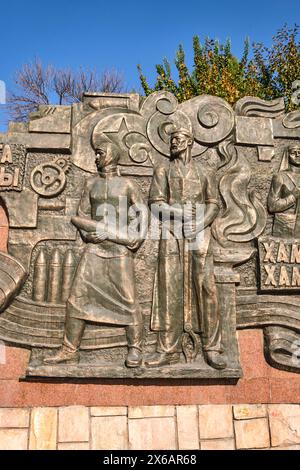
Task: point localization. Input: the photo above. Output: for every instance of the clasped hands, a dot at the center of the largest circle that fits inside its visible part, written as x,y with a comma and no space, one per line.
97,236
296,193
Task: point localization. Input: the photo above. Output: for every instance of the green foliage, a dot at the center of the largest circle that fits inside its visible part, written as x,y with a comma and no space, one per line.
279,66
263,72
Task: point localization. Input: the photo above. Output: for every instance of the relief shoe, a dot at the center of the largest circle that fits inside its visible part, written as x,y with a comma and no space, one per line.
134,358
162,359
215,360
64,355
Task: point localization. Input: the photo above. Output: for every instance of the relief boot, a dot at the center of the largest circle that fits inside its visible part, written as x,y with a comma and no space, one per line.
215,360
66,355
162,359
134,358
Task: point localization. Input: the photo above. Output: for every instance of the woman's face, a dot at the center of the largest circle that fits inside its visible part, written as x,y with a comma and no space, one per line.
294,155
105,156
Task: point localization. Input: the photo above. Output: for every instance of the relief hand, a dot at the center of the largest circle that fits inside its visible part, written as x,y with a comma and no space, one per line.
296,193
192,227
95,237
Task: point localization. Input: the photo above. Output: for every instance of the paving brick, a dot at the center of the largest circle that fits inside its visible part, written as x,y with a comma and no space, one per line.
187,427
13,439
43,429
109,433
252,433
73,446
218,444
249,411
152,433
284,424
14,417
296,447
109,411
215,421
74,424
151,411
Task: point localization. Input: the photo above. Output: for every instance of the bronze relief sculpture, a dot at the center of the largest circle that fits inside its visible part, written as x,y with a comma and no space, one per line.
284,195
103,290
185,265
146,264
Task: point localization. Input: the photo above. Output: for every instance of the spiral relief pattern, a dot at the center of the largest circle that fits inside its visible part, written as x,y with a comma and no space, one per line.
212,118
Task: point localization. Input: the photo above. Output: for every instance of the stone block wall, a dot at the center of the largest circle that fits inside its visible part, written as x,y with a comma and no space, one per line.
187,427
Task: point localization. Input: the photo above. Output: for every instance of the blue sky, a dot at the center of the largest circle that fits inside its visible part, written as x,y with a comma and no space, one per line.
116,34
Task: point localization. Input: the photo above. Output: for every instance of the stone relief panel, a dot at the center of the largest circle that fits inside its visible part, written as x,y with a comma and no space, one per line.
93,301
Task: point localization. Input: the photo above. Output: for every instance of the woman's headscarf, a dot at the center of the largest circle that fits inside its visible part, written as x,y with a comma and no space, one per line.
285,164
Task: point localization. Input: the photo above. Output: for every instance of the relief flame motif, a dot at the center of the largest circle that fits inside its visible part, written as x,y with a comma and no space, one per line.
244,217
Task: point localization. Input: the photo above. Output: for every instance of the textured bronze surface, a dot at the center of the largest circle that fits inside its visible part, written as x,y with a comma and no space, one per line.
95,300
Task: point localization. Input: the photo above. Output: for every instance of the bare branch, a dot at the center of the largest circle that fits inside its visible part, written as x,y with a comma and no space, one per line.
63,84
36,85
33,85
112,82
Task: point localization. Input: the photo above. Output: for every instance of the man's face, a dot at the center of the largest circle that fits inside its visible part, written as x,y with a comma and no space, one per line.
294,156
104,156
179,143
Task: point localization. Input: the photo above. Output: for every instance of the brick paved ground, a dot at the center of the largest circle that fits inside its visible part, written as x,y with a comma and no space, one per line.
205,427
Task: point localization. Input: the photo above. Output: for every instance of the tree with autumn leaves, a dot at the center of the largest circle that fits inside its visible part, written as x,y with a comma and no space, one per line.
265,72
